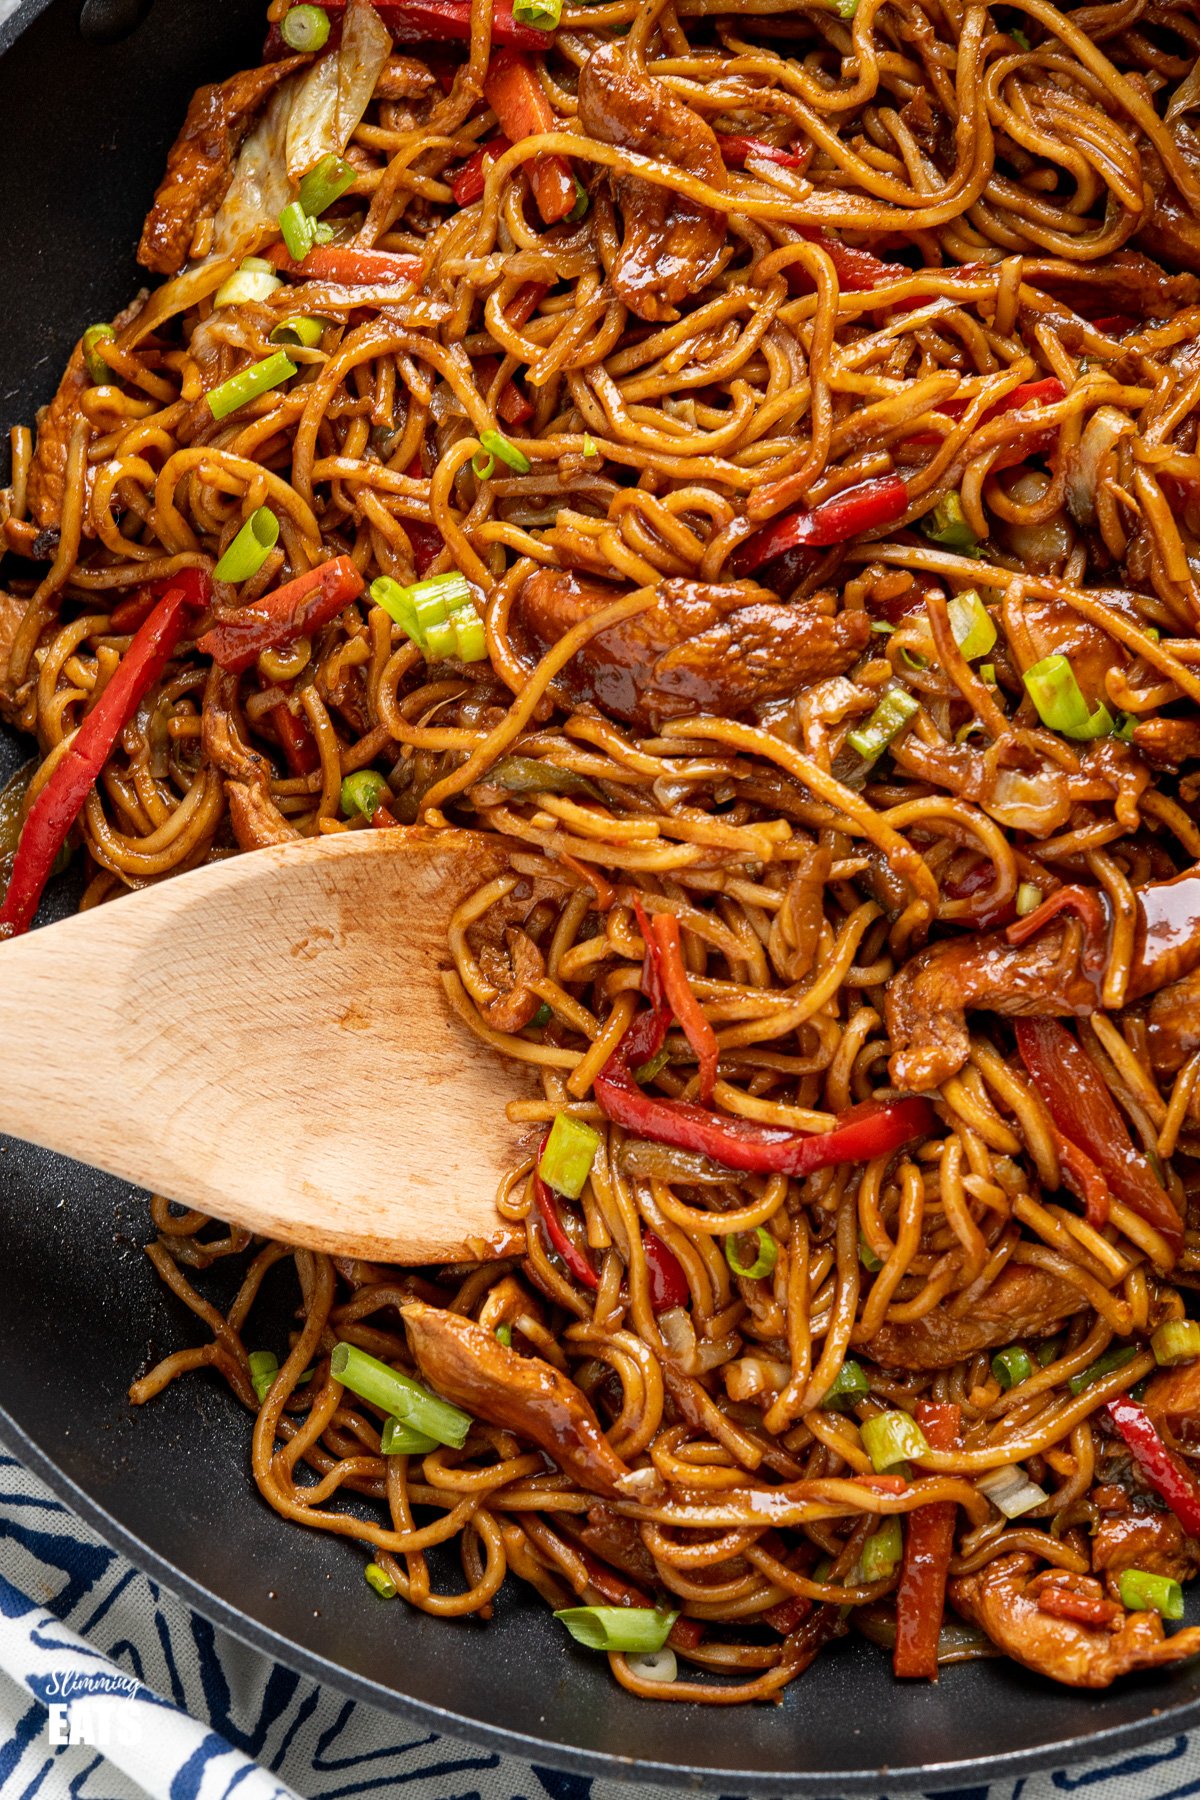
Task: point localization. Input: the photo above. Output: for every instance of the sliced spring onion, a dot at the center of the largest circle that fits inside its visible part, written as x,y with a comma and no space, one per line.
399,1395
645,1072
305,28
494,447
893,1437
325,182
1047,1352
264,1367
1011,1366
250,548
971,623
543,14
882,1551
1052,687
987,674
1141,1591
764,1262
437,614
298,231
1029,898
566,1162
1125,727
363,793
582,202
640,1630
97,368
542,1016
1112,1359
504,1335
1011,1490
947,525
1177,1341
881,628
399,1439
249,383
306,332
884,725
850,1383
658,1665
845,9
589,446
1018,37
867,1256
378,1578
247,284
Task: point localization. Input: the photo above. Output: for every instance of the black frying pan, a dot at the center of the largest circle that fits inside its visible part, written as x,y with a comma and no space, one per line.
88,105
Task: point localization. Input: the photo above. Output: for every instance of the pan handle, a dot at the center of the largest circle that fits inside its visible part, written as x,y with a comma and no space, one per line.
109,21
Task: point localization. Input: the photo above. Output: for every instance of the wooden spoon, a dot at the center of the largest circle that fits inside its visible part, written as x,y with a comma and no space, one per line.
269,1039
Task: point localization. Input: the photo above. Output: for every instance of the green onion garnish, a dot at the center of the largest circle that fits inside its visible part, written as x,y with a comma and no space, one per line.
1011,1490
589,446
1047,1352
1126,725
1112,1359
250,548
504,1335
377,1578
249,383
363,793
645,1072
1052,687
398,1439
325,182
850,1383
305,28
297,230
947,525
399,1395
566,1162
1011,1366
987,674
542,1016
437,614
97,368
1018,37
867,1256
1029,898
542,14
264,1367
971,623
581,194
845,9
1141,1591
633,1629
494,447
893,1437
764,1262
885,723
881,1552
255,280
1177,1341
307,332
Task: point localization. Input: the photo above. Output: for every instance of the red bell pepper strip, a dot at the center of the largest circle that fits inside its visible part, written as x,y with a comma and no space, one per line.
295,610
683,1003
1081,1175
547,1204
686,1634
347,266
785,1615
928,1544
296,740
857,509
1171,1479
668,1283
58,805
1082,1609
882,1484
511,404
467,186
525,302
1084,1111
1083,901
129,614
423,22
858,271
737,151
515,95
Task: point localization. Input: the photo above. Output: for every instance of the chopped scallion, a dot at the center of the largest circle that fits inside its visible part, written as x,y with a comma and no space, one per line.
764,1262
494,447
379,1579
438,615
1011,1366
845,9
893,1437
971,623
645,1072
655,1665
639,1630
542,14
264,1367
566,1162
1052,687
298,231
504,1335
305,28
247,284
363,793
882,1551
1142,1591
589,447
1177,1341
97,368
1011,1490
249,383
325,182
542,1016
884,725
850,1383
399,1395
1029,898
306,332
250,548
1018,37
399,1439
867,1256
947,525
582,202
1105,1365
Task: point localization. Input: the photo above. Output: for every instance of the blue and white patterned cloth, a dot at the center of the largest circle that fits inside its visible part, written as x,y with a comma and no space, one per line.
172,1708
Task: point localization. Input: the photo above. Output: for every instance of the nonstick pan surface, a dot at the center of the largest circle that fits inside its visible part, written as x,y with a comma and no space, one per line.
85,127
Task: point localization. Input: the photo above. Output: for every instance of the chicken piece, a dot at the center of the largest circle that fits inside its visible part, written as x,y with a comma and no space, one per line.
12,611
405,78
1039,628
472,1368
1169,227
1126,282
1168,742
618,1542
510,970
1151,1540
670,245
200,162
1022,1303
1172,1398
1002,1599
1173,1018
699,648
255,818
927,1000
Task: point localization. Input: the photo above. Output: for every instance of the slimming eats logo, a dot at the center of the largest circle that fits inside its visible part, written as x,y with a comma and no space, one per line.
80,1713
